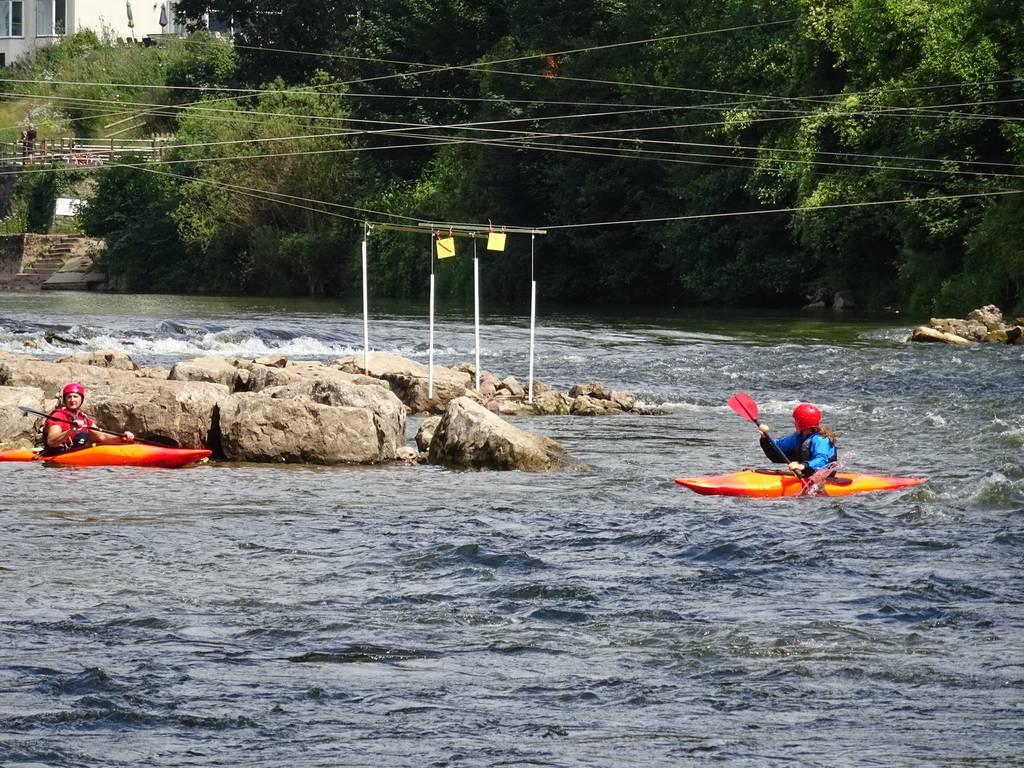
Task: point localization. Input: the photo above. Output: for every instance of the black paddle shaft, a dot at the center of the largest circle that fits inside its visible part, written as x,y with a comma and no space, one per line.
162,442
51,417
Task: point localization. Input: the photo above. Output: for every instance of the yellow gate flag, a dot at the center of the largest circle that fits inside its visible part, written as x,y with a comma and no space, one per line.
495,241
445,247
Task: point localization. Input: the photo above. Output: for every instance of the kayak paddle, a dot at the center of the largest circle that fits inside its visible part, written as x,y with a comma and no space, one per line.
745,406
157,440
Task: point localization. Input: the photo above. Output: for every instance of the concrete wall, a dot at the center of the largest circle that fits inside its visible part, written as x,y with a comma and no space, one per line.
11,249
20,251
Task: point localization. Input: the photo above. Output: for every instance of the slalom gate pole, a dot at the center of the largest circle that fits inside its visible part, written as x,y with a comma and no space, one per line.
366,316
476,311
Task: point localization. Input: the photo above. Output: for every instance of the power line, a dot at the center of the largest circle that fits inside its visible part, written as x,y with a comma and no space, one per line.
794,209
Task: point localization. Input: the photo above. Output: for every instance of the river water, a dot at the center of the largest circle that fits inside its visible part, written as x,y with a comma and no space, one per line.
412,616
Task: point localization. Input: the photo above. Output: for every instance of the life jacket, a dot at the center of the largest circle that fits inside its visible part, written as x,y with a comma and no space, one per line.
804,451
76,439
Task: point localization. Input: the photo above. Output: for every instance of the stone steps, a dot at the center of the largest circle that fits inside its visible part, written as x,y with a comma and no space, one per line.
39,271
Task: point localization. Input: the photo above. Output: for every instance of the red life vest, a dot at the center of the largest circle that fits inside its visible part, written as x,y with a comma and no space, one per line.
78,437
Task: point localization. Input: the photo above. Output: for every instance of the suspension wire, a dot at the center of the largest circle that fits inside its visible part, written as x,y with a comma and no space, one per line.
497,142
284,199
590,135
792,209
814,99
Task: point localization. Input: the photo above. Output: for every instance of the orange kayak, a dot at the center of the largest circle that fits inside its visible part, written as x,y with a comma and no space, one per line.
772,482
126,455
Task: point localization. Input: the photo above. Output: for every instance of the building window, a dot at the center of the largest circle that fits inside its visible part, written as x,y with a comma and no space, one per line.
51,17
11,18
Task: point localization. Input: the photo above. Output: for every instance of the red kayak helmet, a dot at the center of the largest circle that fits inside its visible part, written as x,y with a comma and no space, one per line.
806,416
74,388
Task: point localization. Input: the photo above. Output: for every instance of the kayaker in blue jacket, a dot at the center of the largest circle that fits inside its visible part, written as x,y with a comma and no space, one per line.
810,448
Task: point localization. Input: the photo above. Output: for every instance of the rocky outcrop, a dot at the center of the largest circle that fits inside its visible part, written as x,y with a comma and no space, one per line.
409,379
275,410
471,437
984,324
323,415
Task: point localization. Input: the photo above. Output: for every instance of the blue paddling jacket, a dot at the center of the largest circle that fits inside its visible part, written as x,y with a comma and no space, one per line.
813,450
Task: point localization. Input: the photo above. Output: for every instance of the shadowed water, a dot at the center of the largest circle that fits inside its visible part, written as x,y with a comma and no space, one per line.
411,616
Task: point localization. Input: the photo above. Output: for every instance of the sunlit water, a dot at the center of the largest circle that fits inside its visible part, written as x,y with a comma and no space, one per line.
412,616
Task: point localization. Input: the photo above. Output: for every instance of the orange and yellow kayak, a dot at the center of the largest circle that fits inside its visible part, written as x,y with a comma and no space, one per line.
126,455
771,482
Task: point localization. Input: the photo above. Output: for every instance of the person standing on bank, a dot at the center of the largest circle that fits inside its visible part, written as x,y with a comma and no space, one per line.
30,143
810,448
68,427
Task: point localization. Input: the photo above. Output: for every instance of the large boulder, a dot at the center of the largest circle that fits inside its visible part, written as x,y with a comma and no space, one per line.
594,389
264,376
409,380
844,300
257,427
19,371
551,403
426,432
103,358
332,388
972,330
586,405
229,371
185,411
471,437
990,316
18,430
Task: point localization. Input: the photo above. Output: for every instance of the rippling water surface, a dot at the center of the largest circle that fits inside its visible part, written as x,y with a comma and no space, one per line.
411,616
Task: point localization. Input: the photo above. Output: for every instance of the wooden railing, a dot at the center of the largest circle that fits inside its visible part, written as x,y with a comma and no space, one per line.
79,152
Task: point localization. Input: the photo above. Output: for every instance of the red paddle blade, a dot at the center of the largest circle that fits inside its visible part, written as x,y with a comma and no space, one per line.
744,405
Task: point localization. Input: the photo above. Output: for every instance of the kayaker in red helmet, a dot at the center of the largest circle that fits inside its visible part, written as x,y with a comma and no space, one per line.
810,448
67,427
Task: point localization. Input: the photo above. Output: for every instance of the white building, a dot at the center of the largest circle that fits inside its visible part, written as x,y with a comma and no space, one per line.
26,25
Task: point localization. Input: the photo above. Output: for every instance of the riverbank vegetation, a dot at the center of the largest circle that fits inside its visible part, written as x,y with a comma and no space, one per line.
742,154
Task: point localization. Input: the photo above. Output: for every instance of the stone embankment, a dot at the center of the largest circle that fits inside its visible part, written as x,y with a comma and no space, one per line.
275,410
985,324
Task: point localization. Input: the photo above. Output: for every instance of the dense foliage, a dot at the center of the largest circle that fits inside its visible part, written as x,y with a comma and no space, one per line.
747,153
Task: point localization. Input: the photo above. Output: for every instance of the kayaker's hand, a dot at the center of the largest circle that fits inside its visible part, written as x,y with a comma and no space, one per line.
764,429
129,437
796,466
